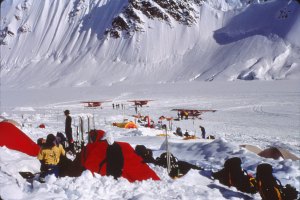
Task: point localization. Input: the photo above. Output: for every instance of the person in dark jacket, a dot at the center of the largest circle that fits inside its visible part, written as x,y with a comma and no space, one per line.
203,132
179,132
68,130
114,157
115,160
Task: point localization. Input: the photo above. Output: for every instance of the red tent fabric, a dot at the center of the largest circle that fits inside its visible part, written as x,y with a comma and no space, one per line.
134,167
96,135
42,126
14,138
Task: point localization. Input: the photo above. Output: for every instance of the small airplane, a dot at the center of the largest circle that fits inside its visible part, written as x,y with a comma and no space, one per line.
140,102
192,112
93,104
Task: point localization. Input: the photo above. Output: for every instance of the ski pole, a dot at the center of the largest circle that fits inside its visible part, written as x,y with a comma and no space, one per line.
88,124
168,152
94,121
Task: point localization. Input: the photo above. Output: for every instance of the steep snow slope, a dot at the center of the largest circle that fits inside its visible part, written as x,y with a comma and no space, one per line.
102,42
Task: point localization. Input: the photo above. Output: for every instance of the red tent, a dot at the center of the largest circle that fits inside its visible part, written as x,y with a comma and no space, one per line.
42,126
96,135
14,138
134,167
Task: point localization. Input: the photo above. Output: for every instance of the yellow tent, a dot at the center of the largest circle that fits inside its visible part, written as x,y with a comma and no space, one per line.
128,125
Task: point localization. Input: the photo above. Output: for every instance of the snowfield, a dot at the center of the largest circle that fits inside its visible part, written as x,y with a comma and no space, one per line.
258,113
65,43
188,54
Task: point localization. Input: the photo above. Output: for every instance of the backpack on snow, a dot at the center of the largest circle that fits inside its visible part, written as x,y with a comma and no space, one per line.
233,175
114,161
162,161
178,168
270,188
145,153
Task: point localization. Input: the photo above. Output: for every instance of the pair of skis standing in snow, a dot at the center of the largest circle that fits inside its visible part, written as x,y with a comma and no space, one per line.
52,155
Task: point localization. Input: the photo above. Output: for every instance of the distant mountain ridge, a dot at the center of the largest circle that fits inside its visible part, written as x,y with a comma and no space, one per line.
54,43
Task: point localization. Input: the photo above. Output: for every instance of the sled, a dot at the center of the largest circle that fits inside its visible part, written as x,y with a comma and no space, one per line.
27,175
162,135
30,177
192,137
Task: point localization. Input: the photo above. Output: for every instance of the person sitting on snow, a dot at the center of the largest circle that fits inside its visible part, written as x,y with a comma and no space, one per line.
179,132
41,142
49,157
186,134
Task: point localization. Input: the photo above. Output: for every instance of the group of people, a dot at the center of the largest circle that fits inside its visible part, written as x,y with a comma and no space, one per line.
117,106
179,132
53,148
182,115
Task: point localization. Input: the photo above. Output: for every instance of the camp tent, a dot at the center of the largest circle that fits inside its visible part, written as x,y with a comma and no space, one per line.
275,153
130,125
134,168
14,138
15,123
96,135
127,125
272,152
42,126
251,148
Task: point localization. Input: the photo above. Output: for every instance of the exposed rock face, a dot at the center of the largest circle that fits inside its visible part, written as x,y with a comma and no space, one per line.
129,20
6,32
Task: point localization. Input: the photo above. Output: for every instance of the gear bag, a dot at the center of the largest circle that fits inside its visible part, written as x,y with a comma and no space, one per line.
178,168
162,161
270,188
233,175
114,161
145,153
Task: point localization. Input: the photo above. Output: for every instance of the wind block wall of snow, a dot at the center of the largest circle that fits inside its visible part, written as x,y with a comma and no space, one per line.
102,42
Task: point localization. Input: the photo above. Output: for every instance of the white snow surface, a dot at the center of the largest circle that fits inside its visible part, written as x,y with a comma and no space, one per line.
63,43
55,54
261,113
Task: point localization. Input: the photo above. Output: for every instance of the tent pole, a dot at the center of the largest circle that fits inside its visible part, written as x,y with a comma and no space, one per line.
168,152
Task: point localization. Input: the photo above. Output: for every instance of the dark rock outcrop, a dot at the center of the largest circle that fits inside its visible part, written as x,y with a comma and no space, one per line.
128,21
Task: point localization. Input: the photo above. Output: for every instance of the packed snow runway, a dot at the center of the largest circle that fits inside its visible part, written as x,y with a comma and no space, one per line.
258,113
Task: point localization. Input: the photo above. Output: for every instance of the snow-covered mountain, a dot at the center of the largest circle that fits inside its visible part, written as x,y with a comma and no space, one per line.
103,42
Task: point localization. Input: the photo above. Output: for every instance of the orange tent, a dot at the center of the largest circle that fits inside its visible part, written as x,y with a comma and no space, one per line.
125,125
14,138
130,125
